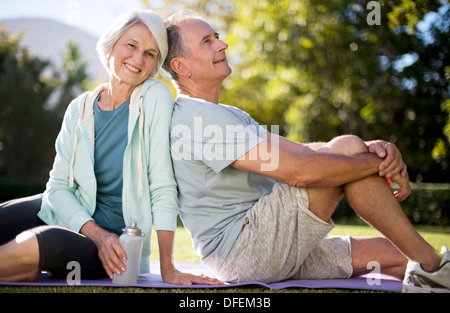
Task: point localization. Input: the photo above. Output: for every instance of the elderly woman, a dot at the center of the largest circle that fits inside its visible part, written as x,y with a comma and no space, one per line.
112,166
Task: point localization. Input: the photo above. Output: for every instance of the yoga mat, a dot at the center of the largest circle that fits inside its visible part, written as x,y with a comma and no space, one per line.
154,280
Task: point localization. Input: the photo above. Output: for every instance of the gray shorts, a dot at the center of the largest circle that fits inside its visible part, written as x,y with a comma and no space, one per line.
281,239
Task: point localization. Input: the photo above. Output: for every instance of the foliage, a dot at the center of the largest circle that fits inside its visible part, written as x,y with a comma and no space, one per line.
33,99
73,80
427,205
318,69
315,68
26,125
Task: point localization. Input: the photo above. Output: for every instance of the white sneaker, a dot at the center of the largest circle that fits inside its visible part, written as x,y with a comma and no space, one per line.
417,280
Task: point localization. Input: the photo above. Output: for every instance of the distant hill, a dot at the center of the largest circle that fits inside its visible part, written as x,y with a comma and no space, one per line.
47,39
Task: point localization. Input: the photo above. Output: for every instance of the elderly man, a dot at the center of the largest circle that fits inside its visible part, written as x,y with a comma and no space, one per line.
259,207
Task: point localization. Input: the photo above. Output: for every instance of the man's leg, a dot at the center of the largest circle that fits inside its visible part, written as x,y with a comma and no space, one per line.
363,249
379,249
373,200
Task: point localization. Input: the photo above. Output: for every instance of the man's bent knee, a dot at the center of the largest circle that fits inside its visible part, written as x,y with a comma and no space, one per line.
346,144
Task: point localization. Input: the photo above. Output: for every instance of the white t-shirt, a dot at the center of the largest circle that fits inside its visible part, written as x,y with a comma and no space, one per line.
214,196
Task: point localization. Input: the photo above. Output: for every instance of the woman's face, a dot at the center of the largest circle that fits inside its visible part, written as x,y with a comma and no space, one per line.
134,55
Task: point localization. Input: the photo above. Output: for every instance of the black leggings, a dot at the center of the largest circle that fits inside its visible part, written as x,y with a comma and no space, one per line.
57,246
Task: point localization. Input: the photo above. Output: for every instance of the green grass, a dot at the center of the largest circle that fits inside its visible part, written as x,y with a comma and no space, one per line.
435,236
184,252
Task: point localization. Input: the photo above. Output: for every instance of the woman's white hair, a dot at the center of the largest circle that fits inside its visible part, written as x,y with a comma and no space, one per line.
116,29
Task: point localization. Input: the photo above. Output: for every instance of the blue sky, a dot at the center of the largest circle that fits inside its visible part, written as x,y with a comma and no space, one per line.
89,15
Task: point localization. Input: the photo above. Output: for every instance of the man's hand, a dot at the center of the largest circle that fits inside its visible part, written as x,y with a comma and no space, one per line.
174,276
392,164
168,271
392,167
404,187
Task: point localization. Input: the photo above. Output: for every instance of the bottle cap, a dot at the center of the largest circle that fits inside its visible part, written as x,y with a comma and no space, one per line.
132,230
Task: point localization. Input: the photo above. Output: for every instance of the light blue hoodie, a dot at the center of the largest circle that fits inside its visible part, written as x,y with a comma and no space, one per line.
149,188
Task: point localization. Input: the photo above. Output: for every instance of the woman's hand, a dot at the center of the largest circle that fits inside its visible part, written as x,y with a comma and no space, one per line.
111,254
110,250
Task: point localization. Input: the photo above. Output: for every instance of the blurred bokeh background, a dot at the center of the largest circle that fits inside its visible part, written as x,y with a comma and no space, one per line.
314,68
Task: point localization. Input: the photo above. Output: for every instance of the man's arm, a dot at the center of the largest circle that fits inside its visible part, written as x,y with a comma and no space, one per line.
392,163
301,166
168,271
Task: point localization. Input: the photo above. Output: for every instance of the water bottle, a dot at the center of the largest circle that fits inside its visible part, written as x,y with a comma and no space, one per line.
131,241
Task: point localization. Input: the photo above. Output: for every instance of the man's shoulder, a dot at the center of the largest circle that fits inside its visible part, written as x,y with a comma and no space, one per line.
196,107
186,109
235,110
189,103
184,103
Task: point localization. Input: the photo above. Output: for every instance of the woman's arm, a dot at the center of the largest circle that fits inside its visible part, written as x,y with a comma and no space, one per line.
158,105
59,196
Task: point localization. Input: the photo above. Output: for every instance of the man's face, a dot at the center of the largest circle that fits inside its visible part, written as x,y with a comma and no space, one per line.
207,62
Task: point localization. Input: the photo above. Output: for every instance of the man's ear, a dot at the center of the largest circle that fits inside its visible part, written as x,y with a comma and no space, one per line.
180,68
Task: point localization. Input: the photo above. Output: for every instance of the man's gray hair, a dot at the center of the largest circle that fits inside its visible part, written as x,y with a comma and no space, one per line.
115,30
177,46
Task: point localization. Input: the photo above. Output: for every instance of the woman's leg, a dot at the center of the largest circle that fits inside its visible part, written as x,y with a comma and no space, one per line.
29,246
19,253
19,258
50,249
19,215
59,246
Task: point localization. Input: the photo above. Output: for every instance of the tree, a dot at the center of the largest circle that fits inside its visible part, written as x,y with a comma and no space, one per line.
34,98
323,68
72,76
319,69
427,125
27,127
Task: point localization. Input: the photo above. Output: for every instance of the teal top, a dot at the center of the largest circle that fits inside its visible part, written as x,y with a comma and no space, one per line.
110,143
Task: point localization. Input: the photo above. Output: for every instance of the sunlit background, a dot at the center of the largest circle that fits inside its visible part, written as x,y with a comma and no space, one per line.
90,16
313,68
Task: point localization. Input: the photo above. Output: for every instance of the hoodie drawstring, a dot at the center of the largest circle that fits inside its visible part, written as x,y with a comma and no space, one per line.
141,131
75,140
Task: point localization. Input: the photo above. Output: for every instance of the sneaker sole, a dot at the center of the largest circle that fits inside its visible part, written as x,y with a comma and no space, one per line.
413,289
